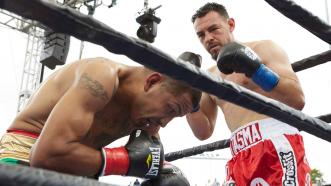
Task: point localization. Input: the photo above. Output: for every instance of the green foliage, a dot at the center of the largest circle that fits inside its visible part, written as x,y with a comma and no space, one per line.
316,176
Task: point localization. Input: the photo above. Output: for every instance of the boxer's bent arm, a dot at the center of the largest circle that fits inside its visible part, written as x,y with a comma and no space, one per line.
58,147
203,121
288,89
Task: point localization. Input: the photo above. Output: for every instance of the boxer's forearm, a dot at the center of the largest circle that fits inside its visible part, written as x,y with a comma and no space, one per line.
200,125
75,159
202,122
288,91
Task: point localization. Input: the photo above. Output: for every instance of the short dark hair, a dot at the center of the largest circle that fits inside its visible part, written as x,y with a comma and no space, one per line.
177,88
208,7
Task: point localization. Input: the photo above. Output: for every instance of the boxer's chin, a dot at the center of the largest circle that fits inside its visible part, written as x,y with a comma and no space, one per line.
214,56
141,123
153,129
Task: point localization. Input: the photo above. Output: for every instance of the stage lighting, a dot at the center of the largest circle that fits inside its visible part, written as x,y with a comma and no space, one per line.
148,25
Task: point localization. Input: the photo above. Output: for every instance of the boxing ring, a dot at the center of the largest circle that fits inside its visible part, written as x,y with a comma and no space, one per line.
88,29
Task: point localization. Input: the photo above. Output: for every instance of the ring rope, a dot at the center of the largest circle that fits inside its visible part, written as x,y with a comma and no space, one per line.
326,118
303,17
87,28
12,175
312,61
221,144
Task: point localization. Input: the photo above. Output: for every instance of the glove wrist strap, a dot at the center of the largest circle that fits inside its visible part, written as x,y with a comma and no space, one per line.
115,161
265,78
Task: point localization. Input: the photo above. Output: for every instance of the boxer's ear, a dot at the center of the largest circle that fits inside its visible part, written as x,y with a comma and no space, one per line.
232,24
152,80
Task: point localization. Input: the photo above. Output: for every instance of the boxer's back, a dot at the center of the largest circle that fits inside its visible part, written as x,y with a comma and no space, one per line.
36,111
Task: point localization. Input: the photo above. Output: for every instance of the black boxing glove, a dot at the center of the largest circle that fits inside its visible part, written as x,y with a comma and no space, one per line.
142,156
170,176
194,59
235,57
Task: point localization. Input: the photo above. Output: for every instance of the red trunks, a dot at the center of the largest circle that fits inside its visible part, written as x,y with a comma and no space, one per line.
267,152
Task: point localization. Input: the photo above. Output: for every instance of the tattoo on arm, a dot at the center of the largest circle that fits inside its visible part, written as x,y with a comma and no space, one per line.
94,87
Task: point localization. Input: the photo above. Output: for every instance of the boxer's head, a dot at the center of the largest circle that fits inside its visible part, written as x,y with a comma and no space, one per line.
214,27
163,99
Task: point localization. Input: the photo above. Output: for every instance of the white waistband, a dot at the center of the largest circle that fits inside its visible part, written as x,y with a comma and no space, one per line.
256,131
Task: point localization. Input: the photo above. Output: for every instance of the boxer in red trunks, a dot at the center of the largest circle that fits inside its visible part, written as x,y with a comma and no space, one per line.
265,151
278,155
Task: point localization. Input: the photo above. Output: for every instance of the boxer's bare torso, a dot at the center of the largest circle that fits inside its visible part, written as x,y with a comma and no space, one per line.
236,116
109,124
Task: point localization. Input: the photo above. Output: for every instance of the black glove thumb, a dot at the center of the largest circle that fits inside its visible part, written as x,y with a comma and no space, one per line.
170,176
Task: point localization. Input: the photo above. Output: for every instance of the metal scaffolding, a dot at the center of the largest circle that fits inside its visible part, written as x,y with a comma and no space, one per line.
32,68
